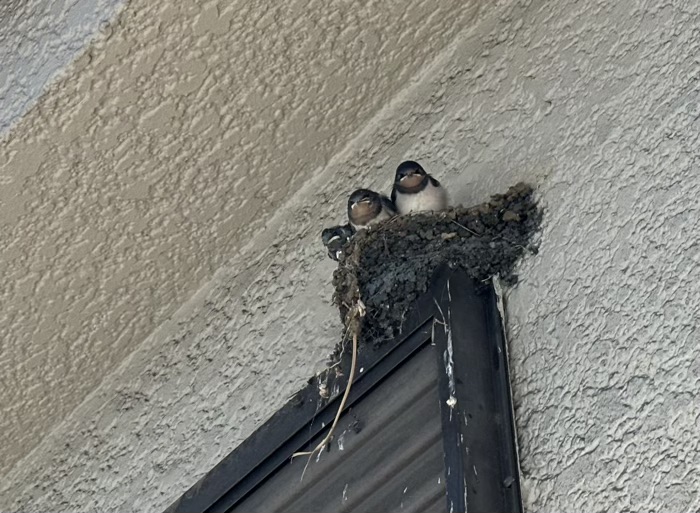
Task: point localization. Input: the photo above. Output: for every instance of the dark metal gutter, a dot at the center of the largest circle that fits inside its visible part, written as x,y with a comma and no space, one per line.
462,320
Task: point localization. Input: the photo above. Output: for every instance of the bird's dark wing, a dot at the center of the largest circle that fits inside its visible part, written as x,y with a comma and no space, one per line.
389,203
347,230
393,194
434,182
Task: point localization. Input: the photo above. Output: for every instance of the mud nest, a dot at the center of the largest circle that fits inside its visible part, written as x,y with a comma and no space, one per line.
391,265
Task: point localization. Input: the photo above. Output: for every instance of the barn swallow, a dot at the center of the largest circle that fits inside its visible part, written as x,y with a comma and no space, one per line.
415,190
366,208
335,238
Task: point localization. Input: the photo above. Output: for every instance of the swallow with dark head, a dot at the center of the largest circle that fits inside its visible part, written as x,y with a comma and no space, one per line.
366,208
335,238
416,191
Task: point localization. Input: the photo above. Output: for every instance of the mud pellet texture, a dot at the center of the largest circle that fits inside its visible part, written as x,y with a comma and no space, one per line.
391,265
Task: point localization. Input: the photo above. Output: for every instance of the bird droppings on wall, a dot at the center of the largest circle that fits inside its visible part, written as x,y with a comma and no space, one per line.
390,266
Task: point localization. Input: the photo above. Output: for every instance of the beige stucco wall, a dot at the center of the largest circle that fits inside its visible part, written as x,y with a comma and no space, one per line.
38,40
595,102
161,153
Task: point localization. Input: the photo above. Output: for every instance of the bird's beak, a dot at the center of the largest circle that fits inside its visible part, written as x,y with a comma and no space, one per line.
409,174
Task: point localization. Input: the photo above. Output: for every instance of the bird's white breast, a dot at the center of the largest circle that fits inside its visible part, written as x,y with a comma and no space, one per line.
383,215
430,198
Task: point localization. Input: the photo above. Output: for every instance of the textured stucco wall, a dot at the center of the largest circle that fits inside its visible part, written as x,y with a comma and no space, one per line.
598,103
161,152
38,39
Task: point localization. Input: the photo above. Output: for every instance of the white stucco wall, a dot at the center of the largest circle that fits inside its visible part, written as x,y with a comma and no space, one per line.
595,102
38,39
159,153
